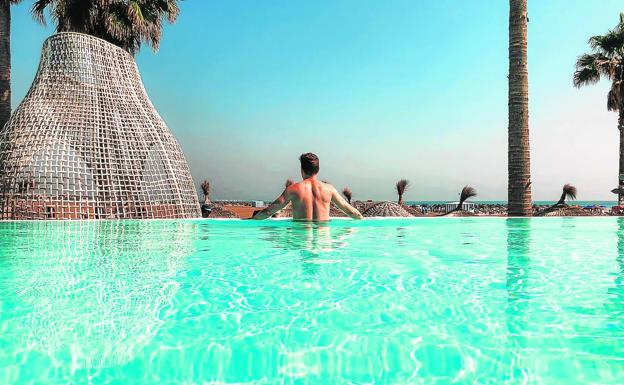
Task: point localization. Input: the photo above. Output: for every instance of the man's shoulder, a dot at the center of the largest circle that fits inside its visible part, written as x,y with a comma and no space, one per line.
328,186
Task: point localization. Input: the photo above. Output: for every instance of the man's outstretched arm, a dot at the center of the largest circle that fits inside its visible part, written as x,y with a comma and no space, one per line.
343,205
274,207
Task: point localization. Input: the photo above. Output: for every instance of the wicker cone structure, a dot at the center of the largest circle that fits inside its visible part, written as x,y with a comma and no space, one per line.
87,143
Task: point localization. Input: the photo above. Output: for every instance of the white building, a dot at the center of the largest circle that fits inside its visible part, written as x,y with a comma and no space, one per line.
466,206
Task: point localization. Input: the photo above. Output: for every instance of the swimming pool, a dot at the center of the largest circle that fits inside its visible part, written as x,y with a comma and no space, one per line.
396,301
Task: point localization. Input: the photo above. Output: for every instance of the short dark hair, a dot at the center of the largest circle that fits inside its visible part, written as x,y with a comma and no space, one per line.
309,163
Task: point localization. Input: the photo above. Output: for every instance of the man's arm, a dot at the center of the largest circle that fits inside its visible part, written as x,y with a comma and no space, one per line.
343,205
274,207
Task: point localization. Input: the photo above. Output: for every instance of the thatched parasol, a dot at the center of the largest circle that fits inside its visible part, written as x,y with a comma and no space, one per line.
362,206
568,211
414,211
218,211
386,209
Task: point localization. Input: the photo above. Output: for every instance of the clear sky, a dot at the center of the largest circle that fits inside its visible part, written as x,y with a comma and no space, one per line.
380,90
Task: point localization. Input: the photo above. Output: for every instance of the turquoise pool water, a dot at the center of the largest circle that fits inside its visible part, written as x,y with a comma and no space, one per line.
420,301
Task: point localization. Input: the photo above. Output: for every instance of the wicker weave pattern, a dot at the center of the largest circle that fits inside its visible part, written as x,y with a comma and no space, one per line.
87,143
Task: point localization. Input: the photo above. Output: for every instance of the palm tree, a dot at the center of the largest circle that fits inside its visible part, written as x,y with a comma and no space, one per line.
569,192
401,186
124,23
607,61
5,60
466,193
205,186
347,194
518,154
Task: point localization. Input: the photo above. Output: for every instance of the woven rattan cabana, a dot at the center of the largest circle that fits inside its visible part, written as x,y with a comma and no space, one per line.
87,143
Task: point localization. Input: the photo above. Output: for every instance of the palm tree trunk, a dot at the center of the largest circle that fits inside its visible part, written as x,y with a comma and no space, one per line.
621,169
519,156
400,199
5,62
561,200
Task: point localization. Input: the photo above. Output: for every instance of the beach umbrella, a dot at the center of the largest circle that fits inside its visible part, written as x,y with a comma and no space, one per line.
386,209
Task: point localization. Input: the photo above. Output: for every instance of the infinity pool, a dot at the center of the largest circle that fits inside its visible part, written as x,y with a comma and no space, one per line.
405,301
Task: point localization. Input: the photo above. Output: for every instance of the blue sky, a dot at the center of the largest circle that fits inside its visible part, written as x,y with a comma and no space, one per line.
379,90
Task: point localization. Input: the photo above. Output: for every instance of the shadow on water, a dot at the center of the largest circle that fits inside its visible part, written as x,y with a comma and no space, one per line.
313,241
104,287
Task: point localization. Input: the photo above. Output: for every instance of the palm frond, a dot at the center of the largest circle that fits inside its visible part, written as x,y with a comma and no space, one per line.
466,193
126,23
609,44
606,60
589,68
205,186
401,186
568,192
347,193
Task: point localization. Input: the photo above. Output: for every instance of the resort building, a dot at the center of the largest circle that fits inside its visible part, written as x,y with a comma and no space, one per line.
466,206
87,143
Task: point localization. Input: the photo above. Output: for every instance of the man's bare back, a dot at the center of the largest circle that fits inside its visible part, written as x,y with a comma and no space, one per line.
310,198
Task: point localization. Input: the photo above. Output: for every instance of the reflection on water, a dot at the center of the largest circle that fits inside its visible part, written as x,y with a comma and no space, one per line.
97,290
517,285
518,251
315,242
433,301
615,306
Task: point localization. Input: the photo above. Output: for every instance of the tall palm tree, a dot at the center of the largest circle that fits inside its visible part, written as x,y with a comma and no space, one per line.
518,155
5,60
126,23
347,194
607,61
401,186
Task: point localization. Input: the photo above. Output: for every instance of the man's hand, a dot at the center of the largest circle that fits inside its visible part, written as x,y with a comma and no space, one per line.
274,207
343,205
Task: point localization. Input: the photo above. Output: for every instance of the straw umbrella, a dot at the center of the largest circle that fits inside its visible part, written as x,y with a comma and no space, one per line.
386,209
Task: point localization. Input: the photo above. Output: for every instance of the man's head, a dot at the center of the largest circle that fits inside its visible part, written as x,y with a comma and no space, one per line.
309,164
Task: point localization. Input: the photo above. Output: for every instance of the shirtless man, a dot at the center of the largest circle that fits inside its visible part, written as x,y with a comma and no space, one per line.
310,198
